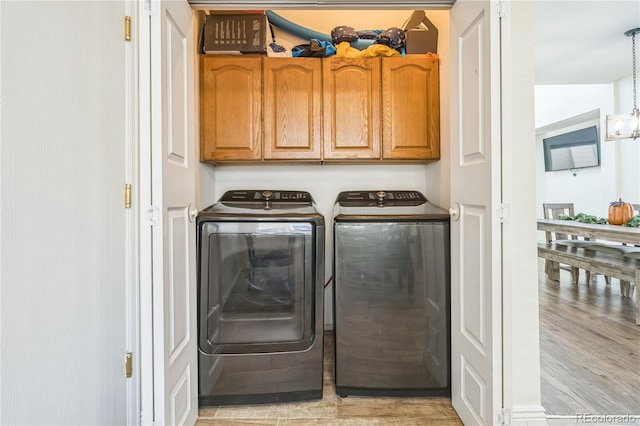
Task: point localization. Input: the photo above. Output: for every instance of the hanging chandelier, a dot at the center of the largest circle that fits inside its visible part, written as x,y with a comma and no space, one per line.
626,126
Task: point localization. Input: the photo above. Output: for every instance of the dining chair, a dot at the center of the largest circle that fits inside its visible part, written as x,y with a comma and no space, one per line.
553,211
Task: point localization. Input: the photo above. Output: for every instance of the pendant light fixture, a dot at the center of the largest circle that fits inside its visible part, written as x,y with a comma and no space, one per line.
626,126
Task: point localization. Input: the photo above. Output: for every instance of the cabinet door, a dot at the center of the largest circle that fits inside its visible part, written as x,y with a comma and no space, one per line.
230,108
410,108
351,108
292,108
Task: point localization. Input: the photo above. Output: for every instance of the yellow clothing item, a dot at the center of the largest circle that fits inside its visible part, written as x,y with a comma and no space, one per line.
344,50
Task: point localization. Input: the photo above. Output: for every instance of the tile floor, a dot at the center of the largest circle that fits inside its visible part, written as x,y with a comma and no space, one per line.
333,410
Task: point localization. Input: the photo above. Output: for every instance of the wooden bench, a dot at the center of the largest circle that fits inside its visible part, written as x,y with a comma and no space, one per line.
607,262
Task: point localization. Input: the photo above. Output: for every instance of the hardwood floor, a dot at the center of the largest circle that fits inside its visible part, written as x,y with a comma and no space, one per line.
333,410
589,347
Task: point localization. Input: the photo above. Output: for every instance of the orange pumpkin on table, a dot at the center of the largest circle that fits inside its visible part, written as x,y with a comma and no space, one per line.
620,212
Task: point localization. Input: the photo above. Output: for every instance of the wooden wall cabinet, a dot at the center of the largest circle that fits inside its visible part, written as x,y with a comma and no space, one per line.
255,108
230,108
311,109
351,99
386,108
292,108
410,108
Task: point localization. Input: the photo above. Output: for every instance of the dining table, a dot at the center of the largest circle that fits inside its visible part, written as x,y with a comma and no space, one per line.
618,234
594,231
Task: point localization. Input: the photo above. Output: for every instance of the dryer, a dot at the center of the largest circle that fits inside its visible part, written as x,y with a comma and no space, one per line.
260,298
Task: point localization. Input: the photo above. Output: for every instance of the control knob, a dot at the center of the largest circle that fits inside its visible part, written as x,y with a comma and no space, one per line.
381,195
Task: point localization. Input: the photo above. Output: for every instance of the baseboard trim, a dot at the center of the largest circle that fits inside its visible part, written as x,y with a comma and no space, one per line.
527,415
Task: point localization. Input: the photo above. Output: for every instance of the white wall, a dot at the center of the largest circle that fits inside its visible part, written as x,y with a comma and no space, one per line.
63,222
521,343
325,181
591,189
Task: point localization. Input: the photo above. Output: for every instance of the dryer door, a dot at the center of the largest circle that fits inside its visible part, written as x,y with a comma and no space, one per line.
256,282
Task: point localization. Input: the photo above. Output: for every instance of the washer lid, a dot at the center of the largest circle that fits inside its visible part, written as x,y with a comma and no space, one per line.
260,197
380,198
386,206
256,204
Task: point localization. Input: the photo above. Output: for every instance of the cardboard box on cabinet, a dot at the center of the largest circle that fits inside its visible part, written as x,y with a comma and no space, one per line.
420,33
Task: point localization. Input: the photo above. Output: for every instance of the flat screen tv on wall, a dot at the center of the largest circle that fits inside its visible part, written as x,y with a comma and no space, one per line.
573,150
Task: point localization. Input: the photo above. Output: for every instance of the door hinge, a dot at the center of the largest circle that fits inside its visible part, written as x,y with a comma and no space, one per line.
127,196
504,212
504,417
127,28
128,365
503,9
151,7
153,215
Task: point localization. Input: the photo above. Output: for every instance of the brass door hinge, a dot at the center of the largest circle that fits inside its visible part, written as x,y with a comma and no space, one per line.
128,365
127,28
127,196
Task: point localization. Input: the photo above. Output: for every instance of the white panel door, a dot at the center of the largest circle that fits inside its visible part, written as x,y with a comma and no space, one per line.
475,193
173,193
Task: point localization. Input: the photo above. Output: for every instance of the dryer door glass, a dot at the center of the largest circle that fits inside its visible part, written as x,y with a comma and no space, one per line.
257,287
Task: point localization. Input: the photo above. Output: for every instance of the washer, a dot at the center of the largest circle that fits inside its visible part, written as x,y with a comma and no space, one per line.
391,274
260,298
